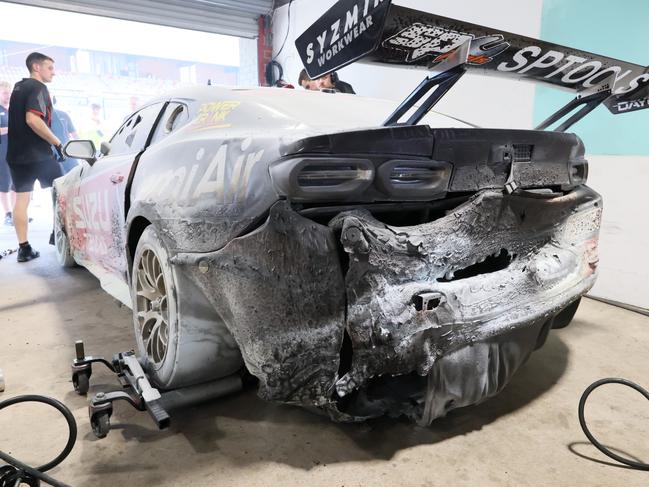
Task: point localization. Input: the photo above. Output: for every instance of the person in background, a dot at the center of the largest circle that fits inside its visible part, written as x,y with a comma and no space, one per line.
7,196
94,130
29,152
332,82
134,103
63,128
327,82
307,83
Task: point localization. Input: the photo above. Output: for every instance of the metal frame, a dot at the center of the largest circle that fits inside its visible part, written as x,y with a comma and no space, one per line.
448,73
138,391
587,103
587,99
442,83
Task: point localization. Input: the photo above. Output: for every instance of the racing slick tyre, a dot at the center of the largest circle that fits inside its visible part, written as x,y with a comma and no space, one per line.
180,342
63,251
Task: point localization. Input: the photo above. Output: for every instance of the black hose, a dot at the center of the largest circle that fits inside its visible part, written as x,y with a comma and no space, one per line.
37,473
593,440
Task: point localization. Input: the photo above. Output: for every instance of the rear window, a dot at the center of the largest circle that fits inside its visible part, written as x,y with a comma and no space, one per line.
337,111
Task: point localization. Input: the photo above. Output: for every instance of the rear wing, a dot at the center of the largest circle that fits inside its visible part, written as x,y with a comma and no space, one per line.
376,31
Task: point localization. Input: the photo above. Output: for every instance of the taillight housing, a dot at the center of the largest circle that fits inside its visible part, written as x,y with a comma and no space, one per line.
414,179
335,179
322,178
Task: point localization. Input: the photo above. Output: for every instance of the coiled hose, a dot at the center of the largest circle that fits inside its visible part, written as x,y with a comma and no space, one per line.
589,435
17,473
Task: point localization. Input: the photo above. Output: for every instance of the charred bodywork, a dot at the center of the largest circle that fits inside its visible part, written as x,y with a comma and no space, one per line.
335,308
399,270
353,268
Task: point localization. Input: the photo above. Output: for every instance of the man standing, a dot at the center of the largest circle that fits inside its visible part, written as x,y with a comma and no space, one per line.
7,196
65,131
29,152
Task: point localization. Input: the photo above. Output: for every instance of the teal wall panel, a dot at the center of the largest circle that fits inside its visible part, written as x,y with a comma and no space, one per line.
615,29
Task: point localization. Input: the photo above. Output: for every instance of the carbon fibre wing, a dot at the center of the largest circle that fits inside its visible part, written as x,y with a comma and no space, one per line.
377,31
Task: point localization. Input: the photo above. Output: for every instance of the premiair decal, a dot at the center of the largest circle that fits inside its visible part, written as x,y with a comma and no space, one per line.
225,179
422,40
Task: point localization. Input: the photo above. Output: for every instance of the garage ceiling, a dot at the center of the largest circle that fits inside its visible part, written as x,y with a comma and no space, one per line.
229,17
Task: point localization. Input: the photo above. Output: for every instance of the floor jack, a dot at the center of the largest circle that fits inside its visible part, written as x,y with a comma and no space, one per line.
138,391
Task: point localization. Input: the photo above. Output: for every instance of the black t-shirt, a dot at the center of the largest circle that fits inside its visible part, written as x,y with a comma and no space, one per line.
4,123
344,87
25,146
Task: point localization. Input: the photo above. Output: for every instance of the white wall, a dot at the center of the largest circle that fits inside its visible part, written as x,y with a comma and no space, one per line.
622,181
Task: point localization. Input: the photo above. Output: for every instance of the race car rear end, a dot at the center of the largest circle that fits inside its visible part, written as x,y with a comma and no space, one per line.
408,270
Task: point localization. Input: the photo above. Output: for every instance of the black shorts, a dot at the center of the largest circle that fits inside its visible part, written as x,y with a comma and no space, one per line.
25,175
5,176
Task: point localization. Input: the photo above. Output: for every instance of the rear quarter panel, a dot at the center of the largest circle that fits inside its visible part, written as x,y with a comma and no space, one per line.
201,188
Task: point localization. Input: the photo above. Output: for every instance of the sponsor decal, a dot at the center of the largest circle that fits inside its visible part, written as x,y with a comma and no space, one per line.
422,40
92,222
214,115
225,179
92,211
570,69
346,32
627,106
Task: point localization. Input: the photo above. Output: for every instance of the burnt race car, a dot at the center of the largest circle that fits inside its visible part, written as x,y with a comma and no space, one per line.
353,262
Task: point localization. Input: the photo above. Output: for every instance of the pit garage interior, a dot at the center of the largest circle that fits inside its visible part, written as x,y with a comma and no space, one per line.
527,434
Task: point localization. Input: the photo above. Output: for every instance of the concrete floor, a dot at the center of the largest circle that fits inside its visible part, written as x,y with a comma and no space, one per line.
528,435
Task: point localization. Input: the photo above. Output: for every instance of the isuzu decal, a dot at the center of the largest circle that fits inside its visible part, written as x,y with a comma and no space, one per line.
92,210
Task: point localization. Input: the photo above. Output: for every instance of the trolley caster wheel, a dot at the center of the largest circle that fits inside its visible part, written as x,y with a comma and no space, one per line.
100,423
81,383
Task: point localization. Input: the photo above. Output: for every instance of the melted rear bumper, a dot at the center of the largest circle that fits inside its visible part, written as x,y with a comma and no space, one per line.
362,319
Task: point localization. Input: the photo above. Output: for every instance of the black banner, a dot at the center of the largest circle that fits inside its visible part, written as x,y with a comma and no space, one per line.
348,31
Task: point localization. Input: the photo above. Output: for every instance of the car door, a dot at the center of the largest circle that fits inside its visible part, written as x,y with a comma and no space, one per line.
99,231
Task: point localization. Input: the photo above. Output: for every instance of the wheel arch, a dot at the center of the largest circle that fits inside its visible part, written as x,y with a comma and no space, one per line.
135,231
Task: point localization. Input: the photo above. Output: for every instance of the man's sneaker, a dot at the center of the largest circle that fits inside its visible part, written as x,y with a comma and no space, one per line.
27,253
52,238
9,221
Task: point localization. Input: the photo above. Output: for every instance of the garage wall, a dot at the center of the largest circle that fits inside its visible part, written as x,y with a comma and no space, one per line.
618,146
624,240
622,180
